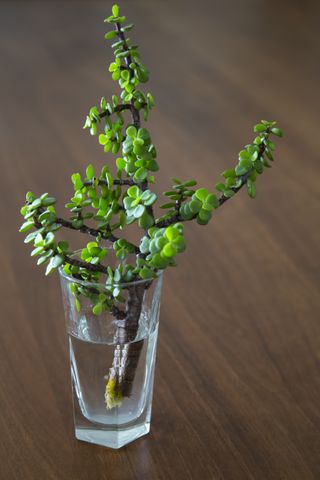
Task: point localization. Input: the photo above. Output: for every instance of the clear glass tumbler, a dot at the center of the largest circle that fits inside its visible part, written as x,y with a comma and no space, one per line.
106,351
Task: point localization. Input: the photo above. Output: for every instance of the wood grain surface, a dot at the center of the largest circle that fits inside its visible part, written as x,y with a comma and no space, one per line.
237,392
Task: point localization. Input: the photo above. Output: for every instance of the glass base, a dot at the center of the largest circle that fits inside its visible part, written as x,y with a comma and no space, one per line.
112,438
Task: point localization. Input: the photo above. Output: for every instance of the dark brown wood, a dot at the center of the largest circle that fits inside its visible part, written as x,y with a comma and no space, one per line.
237,392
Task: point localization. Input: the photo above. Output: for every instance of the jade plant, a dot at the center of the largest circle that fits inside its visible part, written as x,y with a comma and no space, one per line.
106,202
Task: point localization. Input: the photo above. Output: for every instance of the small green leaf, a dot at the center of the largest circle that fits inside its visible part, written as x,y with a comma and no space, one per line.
76,180
228,193
127,202
195,205
63,246
133,191
177,181
97,309
115,10
109,179
131,131
271,145
30,237
103,139
260,127
211,201
26,226
201,194
117,275
46,202
93,129
168,205
203,217
128,27
30,197
171,233
138,211
251,187
54,263
243,167
103,103
49,239
24,210
179,243
140,175
258,165
146,273
44,258
169,250
119,19
277,132
38,241
121,163
116,75
77,304
110,35
144,245
57,261
90,172
229,173
190,183
220,187
268,154
146,221
151,199
77,224
116,291
37,251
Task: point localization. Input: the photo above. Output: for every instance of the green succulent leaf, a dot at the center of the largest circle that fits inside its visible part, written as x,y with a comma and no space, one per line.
26,226
277,132
90,172
146,221
251,187
55,262
131,132
110,34
115,10
260,127
97,309
201,194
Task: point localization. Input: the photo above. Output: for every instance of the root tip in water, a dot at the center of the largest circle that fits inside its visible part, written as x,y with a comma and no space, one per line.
112,396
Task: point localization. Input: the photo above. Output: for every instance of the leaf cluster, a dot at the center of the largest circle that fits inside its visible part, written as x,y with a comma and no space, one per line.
104,204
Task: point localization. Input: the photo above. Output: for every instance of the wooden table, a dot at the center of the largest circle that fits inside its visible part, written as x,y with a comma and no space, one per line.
237,393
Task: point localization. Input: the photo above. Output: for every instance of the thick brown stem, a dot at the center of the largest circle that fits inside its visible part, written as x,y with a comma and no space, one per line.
134,308
127,351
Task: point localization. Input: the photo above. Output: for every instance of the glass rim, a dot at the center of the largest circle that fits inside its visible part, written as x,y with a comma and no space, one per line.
86,283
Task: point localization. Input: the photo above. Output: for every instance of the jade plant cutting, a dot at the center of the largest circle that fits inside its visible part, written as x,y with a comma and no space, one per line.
108,201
